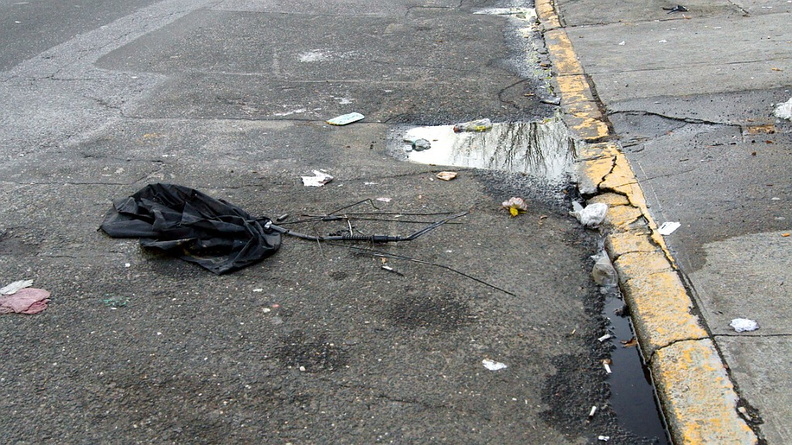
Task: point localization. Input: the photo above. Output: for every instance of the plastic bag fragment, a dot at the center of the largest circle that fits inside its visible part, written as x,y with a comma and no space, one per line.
24,301
193,226
603,272
15,286
592,215
784,110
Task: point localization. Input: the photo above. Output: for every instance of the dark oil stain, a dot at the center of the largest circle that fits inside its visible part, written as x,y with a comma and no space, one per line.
313,354
434,312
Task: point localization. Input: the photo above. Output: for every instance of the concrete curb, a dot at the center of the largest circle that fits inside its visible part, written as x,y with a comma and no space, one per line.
697,396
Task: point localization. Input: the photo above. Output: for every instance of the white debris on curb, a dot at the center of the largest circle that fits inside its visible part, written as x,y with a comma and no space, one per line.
668,227
744,325
15,286
592,215
319,179
603,438
784,110
593,411
492,365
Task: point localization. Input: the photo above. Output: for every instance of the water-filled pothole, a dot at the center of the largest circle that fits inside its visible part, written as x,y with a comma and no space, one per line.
542,149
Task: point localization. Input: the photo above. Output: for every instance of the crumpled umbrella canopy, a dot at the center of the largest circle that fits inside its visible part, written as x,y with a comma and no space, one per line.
193,226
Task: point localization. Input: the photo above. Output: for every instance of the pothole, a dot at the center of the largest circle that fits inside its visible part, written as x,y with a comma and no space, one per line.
541,148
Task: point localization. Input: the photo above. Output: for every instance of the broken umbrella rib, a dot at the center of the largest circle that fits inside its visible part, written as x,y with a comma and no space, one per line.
381,254
369,238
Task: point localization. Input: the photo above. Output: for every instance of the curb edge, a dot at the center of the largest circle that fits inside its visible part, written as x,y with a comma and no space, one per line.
697,397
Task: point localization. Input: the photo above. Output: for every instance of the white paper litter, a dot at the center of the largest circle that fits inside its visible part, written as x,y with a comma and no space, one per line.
319,179
15,286
345,119
744,325
668,227
784,110
592,215
492,365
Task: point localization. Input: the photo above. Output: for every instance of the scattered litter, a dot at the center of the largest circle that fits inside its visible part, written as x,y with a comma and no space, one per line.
785,235
25,301
15,286
421,144
319,179
515,205
744,325
677,8
593,411
345,119
477,125
605,337
606,364
115,302
493,365
629,343
384,199
784,110
603,272
603,438
390,269
668,227
447,176
554,100
592,215
622,43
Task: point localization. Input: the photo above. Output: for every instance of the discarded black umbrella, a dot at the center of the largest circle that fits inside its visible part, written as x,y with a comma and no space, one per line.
212,233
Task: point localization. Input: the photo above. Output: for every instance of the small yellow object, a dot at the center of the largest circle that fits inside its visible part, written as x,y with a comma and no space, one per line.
514,211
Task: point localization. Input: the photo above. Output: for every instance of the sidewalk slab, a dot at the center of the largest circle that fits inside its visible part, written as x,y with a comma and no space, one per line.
662,58
766,388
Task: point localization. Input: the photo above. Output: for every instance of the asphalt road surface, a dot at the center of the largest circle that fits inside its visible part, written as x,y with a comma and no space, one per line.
319,343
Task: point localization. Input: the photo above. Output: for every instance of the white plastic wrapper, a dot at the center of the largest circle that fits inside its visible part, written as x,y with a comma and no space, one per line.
592,215
744,325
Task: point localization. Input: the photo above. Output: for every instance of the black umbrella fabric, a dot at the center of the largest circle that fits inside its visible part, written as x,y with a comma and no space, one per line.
193,226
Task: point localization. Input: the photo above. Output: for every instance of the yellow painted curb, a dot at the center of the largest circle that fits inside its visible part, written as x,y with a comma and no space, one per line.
660,308
698,398
584,117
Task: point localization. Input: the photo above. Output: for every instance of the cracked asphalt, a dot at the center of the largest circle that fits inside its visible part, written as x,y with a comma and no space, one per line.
319,343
